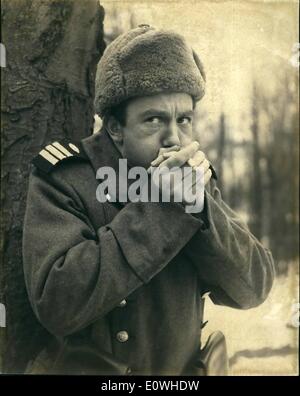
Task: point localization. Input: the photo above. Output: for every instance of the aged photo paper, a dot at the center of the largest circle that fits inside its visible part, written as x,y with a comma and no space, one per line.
246,124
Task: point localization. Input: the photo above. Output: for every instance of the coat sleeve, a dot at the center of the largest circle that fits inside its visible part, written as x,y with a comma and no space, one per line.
76,274
236,268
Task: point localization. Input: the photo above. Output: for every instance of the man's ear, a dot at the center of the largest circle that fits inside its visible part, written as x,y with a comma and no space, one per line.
114,128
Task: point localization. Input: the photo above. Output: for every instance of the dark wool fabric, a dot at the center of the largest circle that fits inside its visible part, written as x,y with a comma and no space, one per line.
82,258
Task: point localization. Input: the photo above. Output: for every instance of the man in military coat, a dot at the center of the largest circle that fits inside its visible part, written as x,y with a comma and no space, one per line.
119,284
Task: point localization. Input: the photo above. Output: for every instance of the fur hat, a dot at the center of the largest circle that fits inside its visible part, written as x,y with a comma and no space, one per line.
145,61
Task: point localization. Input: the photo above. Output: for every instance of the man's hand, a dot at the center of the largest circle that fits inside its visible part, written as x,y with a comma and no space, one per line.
162,152
191,159
189,155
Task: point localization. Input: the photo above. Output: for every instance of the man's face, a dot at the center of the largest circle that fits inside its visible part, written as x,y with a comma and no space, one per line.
154,122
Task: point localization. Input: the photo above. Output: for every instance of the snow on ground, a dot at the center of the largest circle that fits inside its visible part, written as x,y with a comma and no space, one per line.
262,340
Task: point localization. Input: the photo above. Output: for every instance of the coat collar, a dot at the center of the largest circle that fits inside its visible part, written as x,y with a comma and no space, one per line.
102,152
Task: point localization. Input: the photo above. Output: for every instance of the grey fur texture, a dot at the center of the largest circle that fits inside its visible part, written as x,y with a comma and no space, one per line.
145,61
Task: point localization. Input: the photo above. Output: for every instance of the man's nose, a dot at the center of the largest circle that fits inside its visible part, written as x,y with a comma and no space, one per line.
171,136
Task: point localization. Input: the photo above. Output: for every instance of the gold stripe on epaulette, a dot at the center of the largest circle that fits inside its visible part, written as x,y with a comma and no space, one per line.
74,148
55,152
62,149
49,157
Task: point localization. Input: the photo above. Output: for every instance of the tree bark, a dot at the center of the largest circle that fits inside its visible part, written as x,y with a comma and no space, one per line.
52,49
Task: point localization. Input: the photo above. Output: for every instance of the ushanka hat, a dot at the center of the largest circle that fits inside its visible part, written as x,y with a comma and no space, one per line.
145,61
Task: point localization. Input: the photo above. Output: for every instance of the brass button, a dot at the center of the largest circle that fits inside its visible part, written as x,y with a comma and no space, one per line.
122,336
123,303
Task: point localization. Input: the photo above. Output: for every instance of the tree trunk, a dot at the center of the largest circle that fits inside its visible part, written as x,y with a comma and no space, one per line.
52,49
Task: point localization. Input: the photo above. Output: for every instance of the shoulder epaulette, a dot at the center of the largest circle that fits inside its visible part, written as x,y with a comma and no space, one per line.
57,152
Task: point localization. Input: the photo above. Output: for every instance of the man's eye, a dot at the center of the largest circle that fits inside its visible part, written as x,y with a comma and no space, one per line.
153,120
184,120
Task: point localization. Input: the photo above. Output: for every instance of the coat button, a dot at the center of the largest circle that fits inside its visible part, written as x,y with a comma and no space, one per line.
123,303
122,336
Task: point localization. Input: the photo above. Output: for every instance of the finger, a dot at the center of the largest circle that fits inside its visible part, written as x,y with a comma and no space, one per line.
159,170
169,154
180,157
197,176
201,177
168,149
194,186
157,160
204,166
163,151
207,176
197,159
